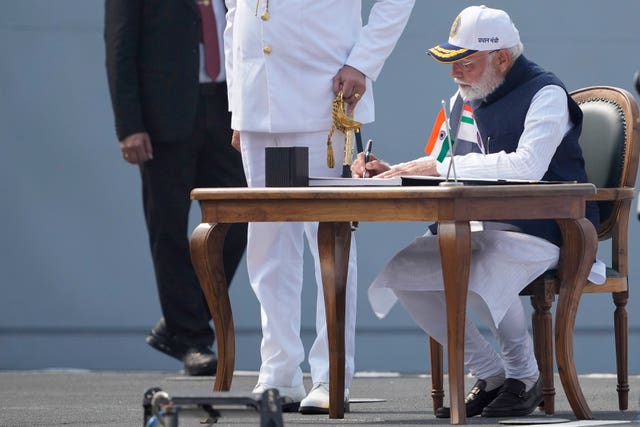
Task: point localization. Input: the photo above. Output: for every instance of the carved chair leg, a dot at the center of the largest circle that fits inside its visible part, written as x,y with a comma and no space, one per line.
542,326
436,358
621,328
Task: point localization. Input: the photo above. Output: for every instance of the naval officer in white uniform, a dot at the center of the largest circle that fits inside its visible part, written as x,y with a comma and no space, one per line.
286,60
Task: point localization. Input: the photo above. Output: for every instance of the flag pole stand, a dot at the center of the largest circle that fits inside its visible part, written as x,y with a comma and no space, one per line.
452,165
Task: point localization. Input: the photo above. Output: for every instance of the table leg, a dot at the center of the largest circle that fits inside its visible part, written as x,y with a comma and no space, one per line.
578,252
455,253
206,246
334,242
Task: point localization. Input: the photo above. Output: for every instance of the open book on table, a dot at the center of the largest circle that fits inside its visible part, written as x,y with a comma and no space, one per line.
411,180
415,180
324,181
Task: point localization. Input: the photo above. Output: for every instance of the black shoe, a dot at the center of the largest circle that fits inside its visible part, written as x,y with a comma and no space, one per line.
514,401
163,341
200,361
475,401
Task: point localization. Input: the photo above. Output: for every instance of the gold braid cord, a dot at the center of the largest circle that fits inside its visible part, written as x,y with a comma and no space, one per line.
345,124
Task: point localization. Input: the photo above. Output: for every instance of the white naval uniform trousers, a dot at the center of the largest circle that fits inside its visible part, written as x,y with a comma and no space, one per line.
274,262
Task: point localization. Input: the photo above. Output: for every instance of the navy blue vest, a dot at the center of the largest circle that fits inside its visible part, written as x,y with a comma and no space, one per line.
500,119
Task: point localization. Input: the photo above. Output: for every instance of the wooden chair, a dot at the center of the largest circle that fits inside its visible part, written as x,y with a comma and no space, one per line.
610,142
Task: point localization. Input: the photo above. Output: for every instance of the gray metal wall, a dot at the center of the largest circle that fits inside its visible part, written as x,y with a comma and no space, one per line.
76,279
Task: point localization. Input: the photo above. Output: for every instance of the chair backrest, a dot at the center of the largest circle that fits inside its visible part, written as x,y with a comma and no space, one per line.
610,143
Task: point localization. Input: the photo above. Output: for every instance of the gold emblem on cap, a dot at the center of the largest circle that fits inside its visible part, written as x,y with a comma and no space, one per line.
455,27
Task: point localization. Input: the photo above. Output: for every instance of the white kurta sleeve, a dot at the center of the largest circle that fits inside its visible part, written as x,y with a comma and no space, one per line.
546,123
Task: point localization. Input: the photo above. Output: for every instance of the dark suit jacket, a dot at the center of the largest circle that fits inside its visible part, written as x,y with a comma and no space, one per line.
152,63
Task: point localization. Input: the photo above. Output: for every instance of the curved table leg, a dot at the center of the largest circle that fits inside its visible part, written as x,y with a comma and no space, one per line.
455,253
576,259
206,246
334,243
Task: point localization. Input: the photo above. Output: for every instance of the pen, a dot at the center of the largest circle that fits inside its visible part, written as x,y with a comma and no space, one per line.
367,154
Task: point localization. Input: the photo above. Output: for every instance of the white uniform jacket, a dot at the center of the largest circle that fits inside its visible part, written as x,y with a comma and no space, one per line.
280,70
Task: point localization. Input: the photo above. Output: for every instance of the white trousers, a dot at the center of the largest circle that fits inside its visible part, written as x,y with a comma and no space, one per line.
502,264
428,309
274,262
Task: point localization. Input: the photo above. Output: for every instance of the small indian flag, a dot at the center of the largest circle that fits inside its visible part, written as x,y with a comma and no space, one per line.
438,144
468,131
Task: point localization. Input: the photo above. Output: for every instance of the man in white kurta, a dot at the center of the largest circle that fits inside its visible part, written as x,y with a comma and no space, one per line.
286,60
528,128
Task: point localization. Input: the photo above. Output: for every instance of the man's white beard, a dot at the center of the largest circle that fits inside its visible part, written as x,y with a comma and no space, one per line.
489,82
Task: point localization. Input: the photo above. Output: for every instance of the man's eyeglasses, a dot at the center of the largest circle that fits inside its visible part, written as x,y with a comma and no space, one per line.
470,65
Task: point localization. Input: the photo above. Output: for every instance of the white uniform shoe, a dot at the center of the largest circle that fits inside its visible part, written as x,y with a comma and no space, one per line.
290,397
317,401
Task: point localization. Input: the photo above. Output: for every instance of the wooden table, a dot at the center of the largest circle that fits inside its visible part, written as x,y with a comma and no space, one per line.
453,207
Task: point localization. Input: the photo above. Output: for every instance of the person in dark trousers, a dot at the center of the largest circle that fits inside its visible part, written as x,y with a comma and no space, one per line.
169,99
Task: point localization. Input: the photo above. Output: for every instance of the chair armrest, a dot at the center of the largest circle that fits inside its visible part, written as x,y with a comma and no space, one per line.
612,194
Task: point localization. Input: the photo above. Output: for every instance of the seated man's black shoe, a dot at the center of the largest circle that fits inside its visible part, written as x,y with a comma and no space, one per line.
475,401
200,361
514,401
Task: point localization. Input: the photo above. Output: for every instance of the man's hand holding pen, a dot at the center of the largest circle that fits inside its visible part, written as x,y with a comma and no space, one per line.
363,169
367,165
424,166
